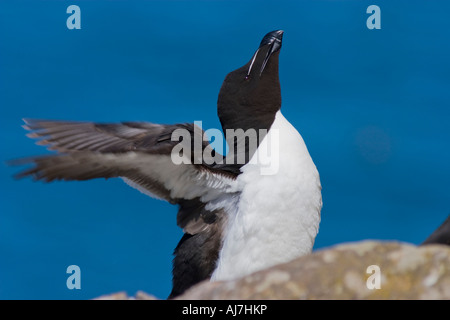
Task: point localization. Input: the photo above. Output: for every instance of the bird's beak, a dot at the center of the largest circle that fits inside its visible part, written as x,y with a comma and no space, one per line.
272,39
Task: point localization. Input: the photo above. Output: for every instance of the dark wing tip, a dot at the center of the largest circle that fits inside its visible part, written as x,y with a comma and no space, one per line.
27,120
34,124
19,161
32,172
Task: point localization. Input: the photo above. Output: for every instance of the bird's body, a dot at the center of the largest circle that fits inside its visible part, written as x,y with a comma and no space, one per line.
257,207
277,215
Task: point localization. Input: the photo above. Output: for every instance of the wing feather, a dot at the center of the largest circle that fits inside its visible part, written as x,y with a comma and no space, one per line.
138,152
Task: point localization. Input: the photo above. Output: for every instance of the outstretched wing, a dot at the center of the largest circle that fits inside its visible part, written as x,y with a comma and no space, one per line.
138,152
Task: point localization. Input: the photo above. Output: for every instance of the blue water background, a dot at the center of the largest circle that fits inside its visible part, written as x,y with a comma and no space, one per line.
372,105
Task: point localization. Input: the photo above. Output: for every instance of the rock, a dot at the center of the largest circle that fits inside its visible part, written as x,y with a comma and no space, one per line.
341,272
140,295
114,296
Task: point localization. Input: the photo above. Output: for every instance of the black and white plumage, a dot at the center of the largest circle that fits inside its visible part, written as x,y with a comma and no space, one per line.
236,220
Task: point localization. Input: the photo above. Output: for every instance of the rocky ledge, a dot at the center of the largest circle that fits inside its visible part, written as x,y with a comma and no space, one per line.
361,270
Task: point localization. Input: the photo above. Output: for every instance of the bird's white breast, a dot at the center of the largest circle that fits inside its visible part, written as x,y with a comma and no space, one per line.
278,212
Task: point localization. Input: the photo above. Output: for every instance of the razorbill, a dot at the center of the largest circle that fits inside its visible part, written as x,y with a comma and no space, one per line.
236,218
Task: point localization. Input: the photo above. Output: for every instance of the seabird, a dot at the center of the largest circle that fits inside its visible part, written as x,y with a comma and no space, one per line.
236,218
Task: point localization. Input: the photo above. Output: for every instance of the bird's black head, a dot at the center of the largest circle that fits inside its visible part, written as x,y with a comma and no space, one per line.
250,96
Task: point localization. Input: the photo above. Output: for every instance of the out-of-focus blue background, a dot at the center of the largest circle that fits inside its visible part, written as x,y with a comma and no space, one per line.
372,105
